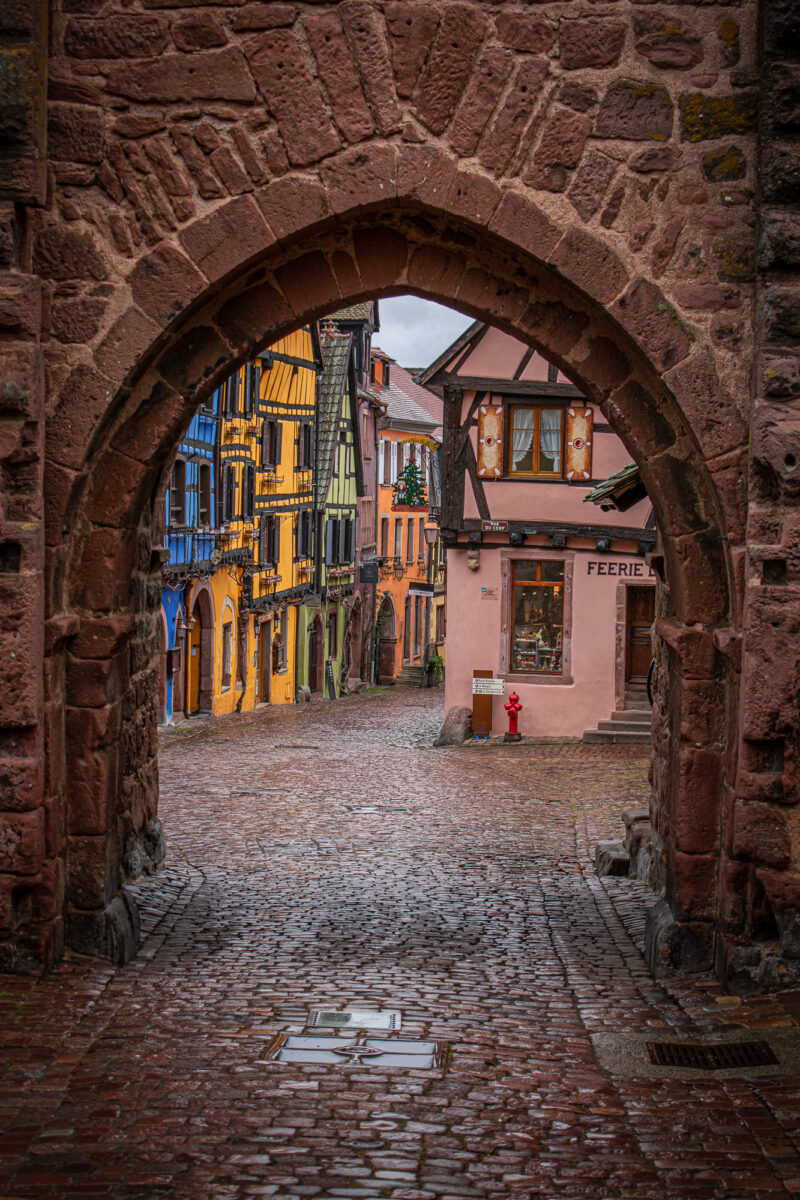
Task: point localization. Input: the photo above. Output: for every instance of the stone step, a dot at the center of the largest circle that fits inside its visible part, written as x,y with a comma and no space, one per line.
625,726
622,738
642,716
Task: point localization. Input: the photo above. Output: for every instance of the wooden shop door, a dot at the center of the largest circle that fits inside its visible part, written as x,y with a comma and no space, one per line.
640,614
194,663
264,663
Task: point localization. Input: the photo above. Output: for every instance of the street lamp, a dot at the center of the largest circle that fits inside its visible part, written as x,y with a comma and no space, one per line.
431,538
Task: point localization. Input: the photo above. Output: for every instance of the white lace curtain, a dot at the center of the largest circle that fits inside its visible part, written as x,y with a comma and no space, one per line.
523,435
551,436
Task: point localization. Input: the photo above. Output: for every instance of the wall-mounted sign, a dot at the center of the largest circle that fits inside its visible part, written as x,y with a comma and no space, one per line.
632,570
489,593
368,572
488,687
494,526
331,682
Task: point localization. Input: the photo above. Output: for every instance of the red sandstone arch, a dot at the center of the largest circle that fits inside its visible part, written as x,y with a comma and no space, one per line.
563,292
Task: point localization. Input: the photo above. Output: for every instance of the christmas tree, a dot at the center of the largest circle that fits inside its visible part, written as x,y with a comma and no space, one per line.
410,486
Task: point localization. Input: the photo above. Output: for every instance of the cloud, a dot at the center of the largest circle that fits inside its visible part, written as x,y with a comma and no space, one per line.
415,331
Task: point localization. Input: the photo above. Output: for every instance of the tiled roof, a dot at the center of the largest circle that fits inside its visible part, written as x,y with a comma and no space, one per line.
336,356
355,312
406,400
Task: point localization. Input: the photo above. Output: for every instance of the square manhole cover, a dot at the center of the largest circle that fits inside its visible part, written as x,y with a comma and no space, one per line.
355,1018
331,1050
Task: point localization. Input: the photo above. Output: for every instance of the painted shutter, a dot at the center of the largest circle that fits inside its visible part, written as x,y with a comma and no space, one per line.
490,441
578,458
251,489
329,534
278,441
262,542
393,478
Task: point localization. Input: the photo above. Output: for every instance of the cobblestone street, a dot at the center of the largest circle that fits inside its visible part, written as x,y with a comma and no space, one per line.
463,896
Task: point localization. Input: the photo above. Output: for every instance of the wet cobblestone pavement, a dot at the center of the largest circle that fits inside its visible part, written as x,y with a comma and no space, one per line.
464,896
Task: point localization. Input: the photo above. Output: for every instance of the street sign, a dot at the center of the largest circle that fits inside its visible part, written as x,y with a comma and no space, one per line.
488,687
494,526
368,572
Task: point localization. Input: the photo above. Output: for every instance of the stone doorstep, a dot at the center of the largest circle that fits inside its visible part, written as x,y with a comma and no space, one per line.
626,1054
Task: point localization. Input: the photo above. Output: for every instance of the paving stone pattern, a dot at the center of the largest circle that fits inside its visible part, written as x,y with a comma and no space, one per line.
476,913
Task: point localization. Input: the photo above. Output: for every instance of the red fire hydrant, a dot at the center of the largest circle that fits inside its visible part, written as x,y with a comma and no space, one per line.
512,708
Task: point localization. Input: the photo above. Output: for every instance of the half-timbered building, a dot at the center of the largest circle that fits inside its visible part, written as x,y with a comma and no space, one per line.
555,598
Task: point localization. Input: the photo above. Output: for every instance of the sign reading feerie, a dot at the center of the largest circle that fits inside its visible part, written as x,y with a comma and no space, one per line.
633,570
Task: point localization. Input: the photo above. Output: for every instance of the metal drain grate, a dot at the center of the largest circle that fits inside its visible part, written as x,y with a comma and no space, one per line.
355,1018
710,1057
359,1051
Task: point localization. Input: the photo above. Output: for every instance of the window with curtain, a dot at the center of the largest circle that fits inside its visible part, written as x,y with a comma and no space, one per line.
537,437
537,613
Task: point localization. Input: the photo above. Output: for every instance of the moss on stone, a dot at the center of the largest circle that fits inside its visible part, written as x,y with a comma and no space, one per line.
706,117
736,260
722,165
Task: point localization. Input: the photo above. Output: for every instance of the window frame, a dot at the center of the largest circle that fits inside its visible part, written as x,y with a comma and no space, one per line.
536,553
511,406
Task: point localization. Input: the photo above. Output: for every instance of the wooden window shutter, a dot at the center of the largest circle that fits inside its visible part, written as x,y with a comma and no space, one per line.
578,458
490,441
393,476
262,542
278,442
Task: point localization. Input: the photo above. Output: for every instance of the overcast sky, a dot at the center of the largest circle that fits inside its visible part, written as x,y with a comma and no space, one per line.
414,331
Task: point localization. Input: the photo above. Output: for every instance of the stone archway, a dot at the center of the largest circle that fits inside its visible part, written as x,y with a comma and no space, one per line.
504,161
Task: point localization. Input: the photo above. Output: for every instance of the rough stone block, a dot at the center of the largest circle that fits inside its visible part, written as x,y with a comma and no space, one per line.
22,842
412,28
674,947
449,64
213,75
293,95
502,140
223,242
671,44
651,320
585,43
164,282
704,117
456,728
338,73
635,111
760,835
293,204
360,177
610,858
111,933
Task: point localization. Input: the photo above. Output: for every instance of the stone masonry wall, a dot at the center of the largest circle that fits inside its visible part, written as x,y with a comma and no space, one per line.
584,174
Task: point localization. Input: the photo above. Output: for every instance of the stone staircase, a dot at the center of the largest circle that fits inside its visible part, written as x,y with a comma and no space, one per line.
629,725
412,675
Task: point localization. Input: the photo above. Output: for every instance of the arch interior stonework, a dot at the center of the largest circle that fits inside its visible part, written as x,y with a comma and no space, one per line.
604,185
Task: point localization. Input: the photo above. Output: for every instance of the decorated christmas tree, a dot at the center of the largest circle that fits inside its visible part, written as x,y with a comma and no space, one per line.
410,486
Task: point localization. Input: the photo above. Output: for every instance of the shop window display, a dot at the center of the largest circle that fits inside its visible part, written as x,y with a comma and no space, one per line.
538,617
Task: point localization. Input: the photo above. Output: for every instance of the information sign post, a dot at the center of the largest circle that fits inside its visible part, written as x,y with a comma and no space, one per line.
484,687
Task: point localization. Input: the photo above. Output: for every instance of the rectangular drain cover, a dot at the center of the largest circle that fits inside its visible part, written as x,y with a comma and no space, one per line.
357,1051
355,1018
710,1057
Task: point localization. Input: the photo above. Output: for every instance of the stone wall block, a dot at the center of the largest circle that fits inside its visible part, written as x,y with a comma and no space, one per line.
47,899
760,835
293,96
126,345
696,799
693,886
705,117
366,37
730,482
338,74
96,683
100,583
476,291
648,316
345,269
91,798
92,871
309,285
605,364
157,416
70,252
103,636
424,174
360,177
593,267
164,282
769,684
480,97
509,125
733,892
75,133
586,43
382,256
213,75
671,44
197,360
702,711
636,416
559,150
554,324
697,572
694,648
21,648
709,409
779,239
21,781
435,271
116,488
22,842
449,64
521,222
779,176
225,241
635,111
20,307
81,404
412,28
293,204
21,381
200,31
124,36
249,315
